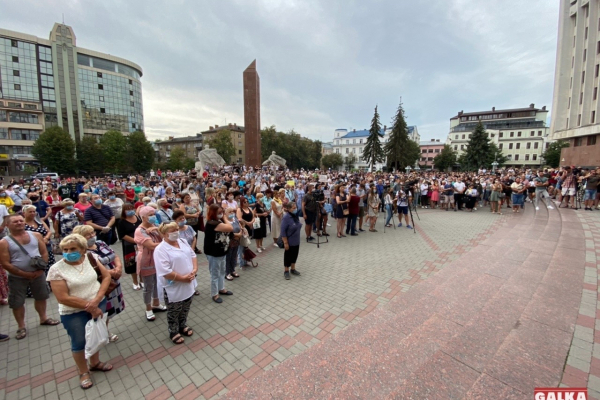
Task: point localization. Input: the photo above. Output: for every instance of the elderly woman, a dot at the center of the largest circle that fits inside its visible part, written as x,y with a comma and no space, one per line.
518,196
276,215
261,213
66,219
373,207
164,212
83,203
111,261
191,211
39,226
126,228
216,244
186,232
290,234
176,269
147,238
80,298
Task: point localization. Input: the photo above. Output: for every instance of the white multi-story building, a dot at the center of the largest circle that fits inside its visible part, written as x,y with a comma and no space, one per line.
521,134
575,106
353,142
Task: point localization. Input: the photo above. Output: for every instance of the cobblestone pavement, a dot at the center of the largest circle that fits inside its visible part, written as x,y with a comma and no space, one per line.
265,322
583,363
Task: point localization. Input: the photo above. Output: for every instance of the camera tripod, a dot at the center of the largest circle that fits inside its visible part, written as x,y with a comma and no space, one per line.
317,222
579,195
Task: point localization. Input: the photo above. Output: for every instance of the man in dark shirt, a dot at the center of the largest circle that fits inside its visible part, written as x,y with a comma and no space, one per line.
101,218
591,189
64,190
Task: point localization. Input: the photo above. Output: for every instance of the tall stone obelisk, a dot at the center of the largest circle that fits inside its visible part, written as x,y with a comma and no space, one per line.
252,116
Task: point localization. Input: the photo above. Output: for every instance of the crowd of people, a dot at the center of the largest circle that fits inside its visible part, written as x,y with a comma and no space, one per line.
157,218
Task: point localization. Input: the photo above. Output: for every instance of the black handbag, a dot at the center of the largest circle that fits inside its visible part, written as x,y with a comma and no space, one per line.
36,262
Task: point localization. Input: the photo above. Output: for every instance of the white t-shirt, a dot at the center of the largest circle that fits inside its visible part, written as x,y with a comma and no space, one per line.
81,281
3,213
169,259
459,186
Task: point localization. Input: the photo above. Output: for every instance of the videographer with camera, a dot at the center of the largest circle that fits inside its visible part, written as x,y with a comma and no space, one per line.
290,235
568,187
591,188
309,211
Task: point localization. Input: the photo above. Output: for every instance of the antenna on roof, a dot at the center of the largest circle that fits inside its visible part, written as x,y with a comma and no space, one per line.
63,15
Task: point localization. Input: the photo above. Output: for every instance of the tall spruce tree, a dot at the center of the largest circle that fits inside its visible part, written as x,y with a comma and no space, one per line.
373,152
479,150
397,148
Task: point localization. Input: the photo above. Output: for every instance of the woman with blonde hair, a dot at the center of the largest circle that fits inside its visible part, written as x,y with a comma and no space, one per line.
176,268
111,261
66,219
80,298
276,215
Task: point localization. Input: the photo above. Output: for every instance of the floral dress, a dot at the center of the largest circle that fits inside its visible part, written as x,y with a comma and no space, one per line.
114,301
42,231
66,223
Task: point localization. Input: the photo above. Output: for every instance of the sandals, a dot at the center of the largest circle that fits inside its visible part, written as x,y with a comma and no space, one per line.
21,333
150,316
177,339
229,277
235,275
50,322
102,367
226,293
196,293
187,331
86,383
112,338
159,308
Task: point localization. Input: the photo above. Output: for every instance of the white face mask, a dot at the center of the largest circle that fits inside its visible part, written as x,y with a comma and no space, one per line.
173,236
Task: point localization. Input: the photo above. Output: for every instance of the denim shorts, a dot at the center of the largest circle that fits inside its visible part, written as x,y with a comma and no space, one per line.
590,194
75,326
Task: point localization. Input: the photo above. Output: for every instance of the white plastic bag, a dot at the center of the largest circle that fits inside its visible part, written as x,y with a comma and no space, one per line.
96,336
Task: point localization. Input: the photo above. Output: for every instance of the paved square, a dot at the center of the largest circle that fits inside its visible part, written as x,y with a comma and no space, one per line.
266,321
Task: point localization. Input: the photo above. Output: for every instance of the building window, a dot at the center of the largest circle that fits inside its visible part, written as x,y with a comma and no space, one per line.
579,120
353,141
354,150
347,150
463,136
16,72
584,53
131,92
578,142
100,86
437,150
526,157
569,105
133,126
132,103
103,110
101,98
360,150
424,151
581,98
516,157
17,86
586,33
597,70
347,142
518,146
595,92
528,145
532,133
593,119
239,152
130,82
462,146
99,74
14,43
455,147
501,134
239,135
582,76
535,145
534,157
539,133
591,140
430,151
360,141
519,134
15,59
510,146
500,146
455,136
512,134
337,151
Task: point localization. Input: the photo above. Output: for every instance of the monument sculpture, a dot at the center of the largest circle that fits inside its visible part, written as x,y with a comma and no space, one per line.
275,161
209,158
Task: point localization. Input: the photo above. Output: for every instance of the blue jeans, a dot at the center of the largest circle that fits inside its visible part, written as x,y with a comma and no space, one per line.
216,267
388,208
351,223
75,326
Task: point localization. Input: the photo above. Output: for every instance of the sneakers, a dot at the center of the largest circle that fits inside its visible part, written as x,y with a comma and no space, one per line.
136,287
310,238
537,209
474,209
400,225
409,227
4,338
141,284
286,275
275,245
258,250
294,272
550,208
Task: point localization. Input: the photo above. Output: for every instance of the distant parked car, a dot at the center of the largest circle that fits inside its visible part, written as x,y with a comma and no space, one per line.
52,175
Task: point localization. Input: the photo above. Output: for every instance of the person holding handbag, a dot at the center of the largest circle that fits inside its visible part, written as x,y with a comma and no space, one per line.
111,261
231,259
342,211
126,227
260,228
290,235
80,298
373,205
216,244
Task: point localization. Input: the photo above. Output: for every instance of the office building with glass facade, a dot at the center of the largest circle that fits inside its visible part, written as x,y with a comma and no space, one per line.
45,83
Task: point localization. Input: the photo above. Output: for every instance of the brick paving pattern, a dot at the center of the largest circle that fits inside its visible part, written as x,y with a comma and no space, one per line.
267,321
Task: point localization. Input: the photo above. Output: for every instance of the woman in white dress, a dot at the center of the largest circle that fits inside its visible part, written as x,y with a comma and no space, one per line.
276,215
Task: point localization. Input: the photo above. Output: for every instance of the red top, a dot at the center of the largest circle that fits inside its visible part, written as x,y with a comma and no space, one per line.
130,194
353,205
54,203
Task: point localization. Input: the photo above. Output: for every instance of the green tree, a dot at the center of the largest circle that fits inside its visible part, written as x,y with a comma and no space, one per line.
333,160
55,150
89,155
176,159
223,144
350,161
143,152
552,153
189,164
496,155
479,151
399,149
446,159
114,150
373,151
298,152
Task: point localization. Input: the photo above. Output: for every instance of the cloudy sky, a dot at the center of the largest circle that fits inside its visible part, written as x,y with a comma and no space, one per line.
323,64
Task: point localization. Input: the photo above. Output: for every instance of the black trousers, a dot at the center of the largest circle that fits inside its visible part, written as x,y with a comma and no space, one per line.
291,256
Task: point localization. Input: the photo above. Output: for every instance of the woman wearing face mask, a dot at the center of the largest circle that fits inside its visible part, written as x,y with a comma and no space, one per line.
290,234
373,205
186,232
229,202
67,219
39,226
169,195
129,194
6,201
176,267
216,244
232,257
126,228
147,238
83,203
495,197
277,215
111,261
80,298
192,214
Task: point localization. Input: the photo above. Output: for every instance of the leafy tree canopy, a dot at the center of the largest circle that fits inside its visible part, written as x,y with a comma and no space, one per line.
333,160
223,144
373,151
139,146
55,150
89,155
446,159
400,150
114,149
298,152
552,153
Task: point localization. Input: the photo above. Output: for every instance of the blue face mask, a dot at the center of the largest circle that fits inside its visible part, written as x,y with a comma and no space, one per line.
69,208
294,211
152,219
98,202
231,216
182,223
72,257
130,213
112,197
